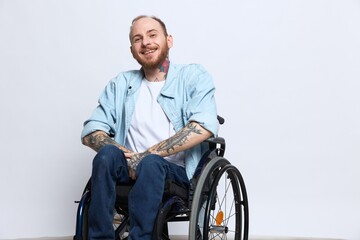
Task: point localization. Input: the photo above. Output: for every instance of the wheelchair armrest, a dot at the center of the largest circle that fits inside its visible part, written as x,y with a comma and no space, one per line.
216,140
217,144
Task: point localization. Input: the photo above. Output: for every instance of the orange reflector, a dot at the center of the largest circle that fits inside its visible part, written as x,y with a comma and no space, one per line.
219,217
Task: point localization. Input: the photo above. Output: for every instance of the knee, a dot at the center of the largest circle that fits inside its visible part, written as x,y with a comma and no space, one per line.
107,155
152,163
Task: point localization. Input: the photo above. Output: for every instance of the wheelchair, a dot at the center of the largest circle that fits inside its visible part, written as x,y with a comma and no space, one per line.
215,205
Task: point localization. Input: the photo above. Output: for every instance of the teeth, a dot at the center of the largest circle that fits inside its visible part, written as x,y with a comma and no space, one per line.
150,51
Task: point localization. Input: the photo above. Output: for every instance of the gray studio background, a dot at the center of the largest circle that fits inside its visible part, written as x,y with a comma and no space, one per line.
288,83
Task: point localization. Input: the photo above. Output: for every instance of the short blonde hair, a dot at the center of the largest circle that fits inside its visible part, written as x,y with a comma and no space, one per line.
162,24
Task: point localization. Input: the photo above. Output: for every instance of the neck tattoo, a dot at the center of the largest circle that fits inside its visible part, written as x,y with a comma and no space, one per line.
164,67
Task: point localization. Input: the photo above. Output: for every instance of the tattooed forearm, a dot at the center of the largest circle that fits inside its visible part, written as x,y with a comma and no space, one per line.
181,138
166,147
98,139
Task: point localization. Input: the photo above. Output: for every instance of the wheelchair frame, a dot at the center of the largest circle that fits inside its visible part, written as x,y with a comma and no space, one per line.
200,205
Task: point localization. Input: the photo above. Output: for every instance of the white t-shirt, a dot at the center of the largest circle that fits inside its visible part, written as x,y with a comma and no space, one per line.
149,124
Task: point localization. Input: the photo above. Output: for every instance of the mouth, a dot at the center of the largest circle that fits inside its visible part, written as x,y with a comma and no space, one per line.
148,51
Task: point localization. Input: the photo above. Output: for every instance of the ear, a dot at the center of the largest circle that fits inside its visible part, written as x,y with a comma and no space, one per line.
131,50
170,41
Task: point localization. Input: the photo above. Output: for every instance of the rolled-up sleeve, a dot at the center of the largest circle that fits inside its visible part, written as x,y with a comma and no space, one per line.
201,105
103,116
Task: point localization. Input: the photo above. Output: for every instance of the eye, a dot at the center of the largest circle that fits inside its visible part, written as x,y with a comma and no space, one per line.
136,40
153,35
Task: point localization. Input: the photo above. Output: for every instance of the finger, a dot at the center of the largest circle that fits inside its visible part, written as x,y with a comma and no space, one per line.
128,155
132,174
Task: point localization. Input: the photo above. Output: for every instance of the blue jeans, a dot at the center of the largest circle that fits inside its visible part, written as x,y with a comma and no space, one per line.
109,168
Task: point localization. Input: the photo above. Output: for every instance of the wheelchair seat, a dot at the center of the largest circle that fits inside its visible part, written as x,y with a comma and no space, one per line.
215,204
171,188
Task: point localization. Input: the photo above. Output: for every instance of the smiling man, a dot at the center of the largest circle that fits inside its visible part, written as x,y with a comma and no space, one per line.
147,127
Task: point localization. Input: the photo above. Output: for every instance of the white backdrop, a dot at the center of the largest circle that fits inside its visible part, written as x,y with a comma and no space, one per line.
288,83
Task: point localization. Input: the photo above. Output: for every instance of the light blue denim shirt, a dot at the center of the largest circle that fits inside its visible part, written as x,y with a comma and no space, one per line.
188,95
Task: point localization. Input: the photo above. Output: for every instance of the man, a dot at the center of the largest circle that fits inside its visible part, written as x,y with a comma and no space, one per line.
147,127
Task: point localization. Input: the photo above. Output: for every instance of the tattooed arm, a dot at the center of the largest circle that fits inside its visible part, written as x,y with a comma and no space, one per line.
192,134
98,139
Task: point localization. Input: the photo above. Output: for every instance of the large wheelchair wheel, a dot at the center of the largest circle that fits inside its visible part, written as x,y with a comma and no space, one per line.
219,207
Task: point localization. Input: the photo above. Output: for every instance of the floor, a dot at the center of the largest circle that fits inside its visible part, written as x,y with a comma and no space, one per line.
184,238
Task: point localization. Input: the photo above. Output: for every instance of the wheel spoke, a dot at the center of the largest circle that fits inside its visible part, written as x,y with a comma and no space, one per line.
222,211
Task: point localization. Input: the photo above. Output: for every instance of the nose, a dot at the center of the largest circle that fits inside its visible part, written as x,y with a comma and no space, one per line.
146,41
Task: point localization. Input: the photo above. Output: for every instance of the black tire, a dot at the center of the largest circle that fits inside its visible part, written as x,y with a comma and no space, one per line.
220,195
120,220
167,213
85,222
